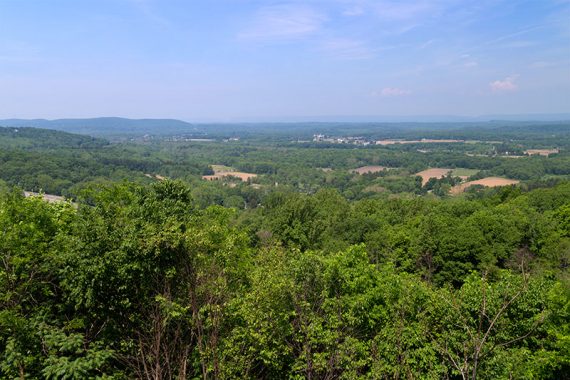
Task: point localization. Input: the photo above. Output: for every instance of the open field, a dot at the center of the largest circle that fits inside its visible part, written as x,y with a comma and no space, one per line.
487,182
422,141
432,173
369,169
239,175
463,173
541,152
46,197
221,171
442,172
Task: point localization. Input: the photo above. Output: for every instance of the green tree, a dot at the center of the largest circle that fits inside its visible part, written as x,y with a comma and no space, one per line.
153,275
489,329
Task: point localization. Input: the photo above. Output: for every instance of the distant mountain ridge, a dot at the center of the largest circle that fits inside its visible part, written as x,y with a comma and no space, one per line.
105,126
118,127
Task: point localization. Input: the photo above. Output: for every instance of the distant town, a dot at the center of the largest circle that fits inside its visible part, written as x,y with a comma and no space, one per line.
359,140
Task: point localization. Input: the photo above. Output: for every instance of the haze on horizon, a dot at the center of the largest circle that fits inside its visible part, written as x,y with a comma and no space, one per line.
237,59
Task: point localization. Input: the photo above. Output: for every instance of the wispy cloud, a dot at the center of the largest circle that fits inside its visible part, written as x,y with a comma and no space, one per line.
145,7
284,22
404,10
548,64
427,43
353,11
402,16
346,48
505,85
518,44
393,10
467,61
506,37
388,92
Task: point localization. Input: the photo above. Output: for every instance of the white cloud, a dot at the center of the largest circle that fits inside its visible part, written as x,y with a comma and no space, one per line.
507,84
468,61
283,22
391,92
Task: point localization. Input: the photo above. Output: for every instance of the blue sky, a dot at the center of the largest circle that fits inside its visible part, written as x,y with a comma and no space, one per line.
230,60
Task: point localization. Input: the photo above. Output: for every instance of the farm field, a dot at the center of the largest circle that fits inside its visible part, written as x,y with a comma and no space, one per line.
463,173
432,173
369,169
223,171
442,172
487,182
541,152
422,141
240,175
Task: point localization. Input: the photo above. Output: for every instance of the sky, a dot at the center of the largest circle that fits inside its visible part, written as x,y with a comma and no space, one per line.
237,60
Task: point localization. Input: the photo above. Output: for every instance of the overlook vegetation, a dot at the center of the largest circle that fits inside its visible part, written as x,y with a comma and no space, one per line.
297,273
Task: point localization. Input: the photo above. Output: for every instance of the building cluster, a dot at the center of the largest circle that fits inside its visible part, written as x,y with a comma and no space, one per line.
341,140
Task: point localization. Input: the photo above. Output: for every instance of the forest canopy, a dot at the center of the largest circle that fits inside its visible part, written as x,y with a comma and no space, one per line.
139,281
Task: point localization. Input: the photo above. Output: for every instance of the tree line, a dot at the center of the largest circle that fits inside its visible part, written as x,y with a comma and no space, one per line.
141,281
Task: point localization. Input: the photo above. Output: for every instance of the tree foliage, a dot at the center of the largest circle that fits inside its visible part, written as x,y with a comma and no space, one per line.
141,281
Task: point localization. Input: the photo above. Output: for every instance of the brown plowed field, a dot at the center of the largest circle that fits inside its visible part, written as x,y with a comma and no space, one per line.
433,173
488,182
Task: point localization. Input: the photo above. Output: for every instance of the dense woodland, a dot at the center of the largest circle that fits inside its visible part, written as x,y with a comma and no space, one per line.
64,164
310,274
